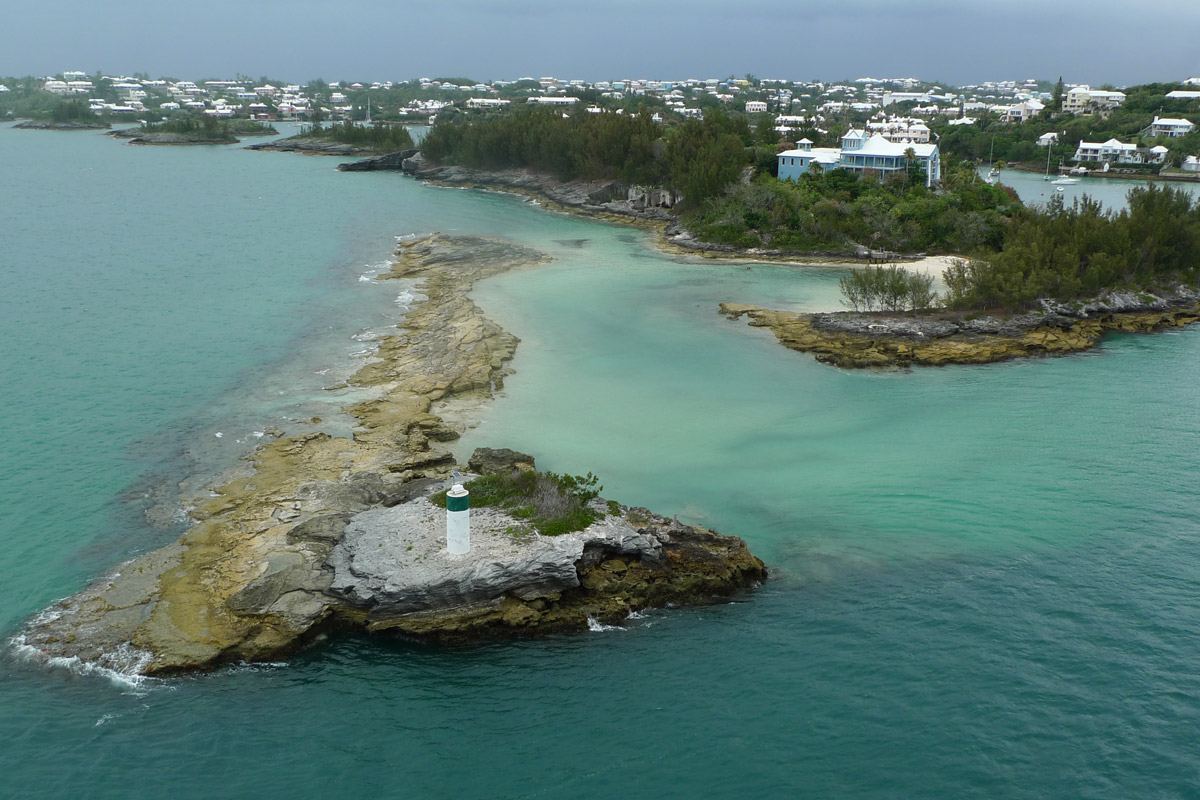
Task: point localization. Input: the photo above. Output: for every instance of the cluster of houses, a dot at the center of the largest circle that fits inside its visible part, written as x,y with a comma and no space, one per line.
796,106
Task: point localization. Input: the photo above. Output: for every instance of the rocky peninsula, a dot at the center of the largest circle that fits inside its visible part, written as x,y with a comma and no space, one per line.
314,146
67,125
855,340
338,533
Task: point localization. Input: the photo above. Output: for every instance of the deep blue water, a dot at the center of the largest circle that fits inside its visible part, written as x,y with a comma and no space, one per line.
984,578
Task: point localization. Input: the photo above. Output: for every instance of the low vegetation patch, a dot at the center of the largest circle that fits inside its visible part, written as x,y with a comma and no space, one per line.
553,504
888,289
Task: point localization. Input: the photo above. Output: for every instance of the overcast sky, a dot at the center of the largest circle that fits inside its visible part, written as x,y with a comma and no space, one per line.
1085,41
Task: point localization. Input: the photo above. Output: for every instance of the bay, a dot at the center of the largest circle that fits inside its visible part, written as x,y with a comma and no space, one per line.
983,577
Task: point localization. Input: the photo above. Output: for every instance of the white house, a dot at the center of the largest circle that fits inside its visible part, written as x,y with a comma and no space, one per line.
1047,139
1158,154
1175,128
486,102
1024,110
1083,98
861,152
1191,164
756,107
904,97
1182,94
1110,151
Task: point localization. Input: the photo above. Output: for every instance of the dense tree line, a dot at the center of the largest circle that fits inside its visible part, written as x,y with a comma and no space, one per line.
379,137
1076,251
838,209
697,158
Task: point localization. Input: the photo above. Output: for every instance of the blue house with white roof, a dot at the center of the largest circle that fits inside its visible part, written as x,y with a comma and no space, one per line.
862,153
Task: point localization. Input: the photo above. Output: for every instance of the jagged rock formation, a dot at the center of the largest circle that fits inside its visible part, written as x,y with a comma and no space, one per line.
870,340
314,147
389,161
392,565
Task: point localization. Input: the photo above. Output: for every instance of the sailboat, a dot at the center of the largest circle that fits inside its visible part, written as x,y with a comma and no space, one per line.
1049,148
994,174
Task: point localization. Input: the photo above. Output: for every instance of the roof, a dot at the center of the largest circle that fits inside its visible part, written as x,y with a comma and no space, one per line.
822,155
1112,144
1171,121
877,145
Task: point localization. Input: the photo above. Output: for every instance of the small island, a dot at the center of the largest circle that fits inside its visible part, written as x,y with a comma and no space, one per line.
345,533
188,130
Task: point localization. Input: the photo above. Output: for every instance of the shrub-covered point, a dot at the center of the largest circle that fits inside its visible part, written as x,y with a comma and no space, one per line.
379,137
1076,251
210,127
837,209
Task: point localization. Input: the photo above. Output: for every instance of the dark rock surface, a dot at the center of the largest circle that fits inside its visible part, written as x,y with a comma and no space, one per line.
391,161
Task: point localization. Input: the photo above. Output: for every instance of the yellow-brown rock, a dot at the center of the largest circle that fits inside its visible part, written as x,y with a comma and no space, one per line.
854,349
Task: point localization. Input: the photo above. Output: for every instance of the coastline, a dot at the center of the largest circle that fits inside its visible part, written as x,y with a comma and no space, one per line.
847,339
635,206
249,581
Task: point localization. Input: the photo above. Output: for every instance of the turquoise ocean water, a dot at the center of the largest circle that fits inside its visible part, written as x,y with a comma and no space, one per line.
985,579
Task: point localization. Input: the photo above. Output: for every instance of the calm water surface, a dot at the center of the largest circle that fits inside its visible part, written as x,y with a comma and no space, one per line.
984,578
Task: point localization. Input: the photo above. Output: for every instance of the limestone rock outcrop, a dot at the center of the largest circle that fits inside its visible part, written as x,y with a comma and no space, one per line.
875,340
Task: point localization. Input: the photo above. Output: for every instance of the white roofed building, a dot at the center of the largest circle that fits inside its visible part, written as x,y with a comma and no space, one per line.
1024,110
1175,128
1108,152
486,102
1084,99
861,152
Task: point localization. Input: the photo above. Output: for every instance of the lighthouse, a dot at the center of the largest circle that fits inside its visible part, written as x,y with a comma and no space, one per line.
458,520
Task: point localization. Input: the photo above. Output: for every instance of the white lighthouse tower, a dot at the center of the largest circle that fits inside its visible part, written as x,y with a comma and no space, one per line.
458,520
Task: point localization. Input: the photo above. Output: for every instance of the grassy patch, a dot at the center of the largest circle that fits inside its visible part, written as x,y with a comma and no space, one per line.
552,504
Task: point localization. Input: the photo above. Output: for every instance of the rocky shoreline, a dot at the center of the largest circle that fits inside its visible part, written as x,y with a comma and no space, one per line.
275,558
135,136
50,125
314,147
614,201
854,340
